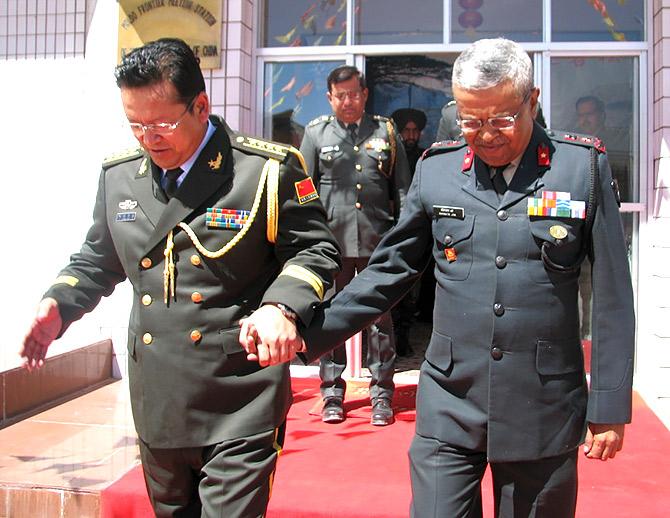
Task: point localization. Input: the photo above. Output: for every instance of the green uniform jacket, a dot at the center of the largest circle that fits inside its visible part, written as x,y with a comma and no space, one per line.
190,381
361,186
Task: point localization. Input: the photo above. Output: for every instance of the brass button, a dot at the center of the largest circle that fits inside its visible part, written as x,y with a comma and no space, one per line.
358,205
146,299
501,262
196,335
147,338
359,186
448,240
146,262
196,297
502,215
498,309
359,167
195,260
496,353
356,148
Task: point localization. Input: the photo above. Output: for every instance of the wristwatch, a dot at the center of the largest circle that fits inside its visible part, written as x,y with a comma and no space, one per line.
287,312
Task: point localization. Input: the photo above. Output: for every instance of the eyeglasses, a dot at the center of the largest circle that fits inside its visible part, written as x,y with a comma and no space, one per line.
497,123
354,95
160,128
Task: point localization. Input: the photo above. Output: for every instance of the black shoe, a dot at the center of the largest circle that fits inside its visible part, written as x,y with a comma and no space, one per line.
332,410
382,413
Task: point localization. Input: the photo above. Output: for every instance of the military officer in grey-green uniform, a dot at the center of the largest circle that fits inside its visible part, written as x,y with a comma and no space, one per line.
208,226
360,168
508,214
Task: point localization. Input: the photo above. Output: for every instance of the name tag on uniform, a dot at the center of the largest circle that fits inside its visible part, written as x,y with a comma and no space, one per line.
126,216
442,211
328,149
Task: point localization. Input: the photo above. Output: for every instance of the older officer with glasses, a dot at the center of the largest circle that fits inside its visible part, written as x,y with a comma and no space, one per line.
208,225
509,214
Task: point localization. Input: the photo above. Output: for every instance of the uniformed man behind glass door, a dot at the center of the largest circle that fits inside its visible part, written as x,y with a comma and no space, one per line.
359,166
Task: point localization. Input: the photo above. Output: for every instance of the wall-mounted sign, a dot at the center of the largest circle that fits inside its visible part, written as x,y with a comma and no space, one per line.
196,22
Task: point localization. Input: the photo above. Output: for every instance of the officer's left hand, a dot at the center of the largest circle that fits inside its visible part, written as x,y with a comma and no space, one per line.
269,337
603,441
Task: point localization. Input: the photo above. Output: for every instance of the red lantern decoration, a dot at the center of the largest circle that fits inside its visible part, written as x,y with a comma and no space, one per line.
470,4
470,19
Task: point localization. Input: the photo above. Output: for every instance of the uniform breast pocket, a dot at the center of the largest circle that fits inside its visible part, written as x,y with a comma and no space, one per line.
558,245
328,158
453,241
381,158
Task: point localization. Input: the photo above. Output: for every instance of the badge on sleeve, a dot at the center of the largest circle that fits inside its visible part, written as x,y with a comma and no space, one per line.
306,191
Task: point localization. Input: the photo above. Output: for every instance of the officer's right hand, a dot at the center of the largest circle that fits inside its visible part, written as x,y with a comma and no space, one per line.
44,330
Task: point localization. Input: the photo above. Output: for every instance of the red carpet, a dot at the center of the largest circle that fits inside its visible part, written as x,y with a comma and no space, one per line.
360,471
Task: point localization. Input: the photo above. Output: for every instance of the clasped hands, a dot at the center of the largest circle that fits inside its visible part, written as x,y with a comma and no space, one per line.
269,337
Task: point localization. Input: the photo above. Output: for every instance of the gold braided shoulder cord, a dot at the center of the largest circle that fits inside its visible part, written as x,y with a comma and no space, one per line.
270,170
273,200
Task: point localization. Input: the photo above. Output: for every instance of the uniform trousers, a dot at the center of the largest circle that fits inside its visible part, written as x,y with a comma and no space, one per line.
446,482
232,478
381,348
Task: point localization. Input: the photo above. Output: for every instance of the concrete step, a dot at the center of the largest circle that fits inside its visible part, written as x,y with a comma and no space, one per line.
56,463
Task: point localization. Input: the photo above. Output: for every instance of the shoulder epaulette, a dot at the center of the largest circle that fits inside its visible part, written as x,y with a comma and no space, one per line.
444,146
380,118
266,148
576,138
319,120
122,156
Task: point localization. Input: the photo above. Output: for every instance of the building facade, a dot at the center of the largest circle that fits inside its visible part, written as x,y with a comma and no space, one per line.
600,62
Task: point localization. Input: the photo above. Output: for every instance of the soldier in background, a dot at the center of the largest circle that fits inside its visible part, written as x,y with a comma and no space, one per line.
410,123
360,169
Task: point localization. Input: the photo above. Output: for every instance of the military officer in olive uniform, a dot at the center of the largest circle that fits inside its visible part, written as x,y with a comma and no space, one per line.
359,166
508,214
208,226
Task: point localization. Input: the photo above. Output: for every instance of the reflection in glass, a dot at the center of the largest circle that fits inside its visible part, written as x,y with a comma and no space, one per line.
597,20
398,22
294,93
597,96
419,82
301,23
519,20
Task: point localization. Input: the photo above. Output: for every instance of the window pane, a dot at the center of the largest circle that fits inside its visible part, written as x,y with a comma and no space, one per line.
398,21
597,20
294,94
598,96
301,23
420,82
519,20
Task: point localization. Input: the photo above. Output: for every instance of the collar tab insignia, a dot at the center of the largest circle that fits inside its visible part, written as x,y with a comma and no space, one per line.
215,164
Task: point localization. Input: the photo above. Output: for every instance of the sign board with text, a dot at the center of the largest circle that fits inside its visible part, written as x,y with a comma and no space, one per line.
196,22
